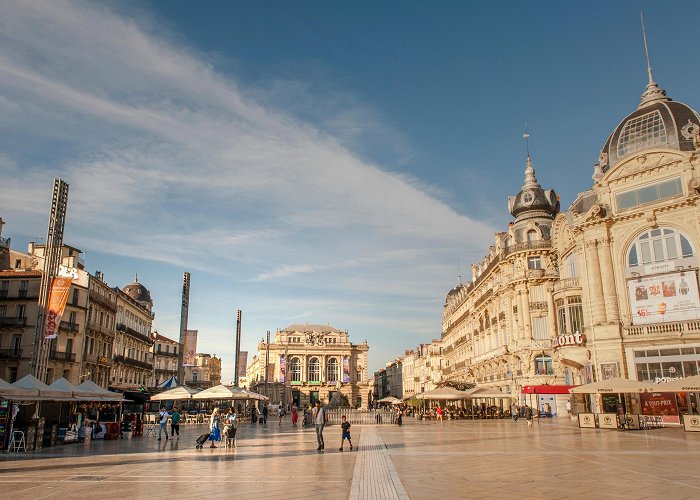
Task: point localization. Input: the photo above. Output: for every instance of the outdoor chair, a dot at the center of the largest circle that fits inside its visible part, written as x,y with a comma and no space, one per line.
18,443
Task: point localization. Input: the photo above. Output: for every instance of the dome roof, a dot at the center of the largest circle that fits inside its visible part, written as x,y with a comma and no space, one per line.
658,122
455,290
532,200
138,292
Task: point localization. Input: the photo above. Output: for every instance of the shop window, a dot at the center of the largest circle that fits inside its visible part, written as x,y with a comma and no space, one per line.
658,245
543,365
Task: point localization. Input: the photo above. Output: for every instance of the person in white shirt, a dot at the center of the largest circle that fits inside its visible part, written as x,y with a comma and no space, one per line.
163,414
320,418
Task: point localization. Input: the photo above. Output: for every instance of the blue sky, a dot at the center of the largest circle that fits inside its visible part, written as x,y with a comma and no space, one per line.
322,162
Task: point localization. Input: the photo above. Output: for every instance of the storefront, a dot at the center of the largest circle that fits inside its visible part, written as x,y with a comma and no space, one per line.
659,364
549,399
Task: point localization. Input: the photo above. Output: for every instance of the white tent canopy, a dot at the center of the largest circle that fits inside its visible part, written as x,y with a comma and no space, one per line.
90,391
45,392
177,394
614,386
486,393
390,399
446,393
223,392
688,384
9,391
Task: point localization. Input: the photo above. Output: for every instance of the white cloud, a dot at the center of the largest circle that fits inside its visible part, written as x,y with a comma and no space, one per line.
170,161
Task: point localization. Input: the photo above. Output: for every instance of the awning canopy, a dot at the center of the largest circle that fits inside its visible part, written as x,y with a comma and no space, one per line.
613,386
390,399
44,391
444,393
176,394
90,391
547,389
487,393
688,384
224,392
9,391
169,384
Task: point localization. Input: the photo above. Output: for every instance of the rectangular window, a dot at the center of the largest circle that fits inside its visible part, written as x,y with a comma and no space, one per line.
561,316
537,293
539,328
571,266
649,194
534,263
575,314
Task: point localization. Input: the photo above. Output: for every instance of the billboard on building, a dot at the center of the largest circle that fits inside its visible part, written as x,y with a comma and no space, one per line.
346,369
664,297
242,363
58,296
189,348
283,369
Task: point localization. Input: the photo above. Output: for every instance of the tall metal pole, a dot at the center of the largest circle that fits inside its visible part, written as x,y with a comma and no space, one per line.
286,371
52,262
184,313
238,347
267,360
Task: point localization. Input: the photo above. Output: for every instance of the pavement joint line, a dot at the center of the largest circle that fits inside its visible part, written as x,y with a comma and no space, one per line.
374,476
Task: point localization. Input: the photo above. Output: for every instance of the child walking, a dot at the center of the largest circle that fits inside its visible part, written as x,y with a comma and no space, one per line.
345,426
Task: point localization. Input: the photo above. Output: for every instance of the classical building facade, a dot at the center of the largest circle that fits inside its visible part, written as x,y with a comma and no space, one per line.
206,372
165,358
100,331
133,344
312,362
607,288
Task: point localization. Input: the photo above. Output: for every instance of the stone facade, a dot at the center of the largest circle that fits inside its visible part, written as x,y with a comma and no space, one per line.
206,372
165,358
322,360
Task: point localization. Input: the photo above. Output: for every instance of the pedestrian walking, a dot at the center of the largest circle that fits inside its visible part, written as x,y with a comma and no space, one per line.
163,421
265,410
295,415
253,414
345,426
280,413
319,418
528,416
214,432
175,422
514,412
438,413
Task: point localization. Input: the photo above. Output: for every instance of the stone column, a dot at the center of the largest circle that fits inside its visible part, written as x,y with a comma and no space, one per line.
551,313
509,317
304,368
612,310
521,320
597,297
527,334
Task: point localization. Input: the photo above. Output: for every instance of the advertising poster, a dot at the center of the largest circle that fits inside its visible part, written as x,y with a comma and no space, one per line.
660,404
283,368
58,296
189,348
346,369
663,298
609,370
242,363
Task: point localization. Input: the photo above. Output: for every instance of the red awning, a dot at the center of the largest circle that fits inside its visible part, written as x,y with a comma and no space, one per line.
547,389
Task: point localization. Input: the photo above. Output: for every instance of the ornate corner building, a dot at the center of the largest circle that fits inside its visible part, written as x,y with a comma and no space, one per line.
607,288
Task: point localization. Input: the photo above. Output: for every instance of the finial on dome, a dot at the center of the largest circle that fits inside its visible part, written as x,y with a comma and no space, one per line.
136,278
530,179
653,92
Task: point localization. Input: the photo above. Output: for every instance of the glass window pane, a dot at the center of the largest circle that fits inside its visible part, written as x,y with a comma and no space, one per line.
673,369
671,251
653,352
670,188
632,261
690,368
658,250
656,232
654,370
668,231
626,200
640,354
648,194
642,371
646,252
688,350
686,249
670,352
644,236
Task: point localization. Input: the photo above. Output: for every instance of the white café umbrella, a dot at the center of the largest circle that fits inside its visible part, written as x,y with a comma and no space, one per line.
613,386
444,393
688,384
176,394
223,392
486,393
390,399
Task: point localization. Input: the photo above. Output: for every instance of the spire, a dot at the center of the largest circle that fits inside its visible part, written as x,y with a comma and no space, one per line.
653,92
530,179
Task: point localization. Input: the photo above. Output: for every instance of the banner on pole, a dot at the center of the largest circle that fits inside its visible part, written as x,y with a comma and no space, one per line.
283,368
242,363
346,369
58,297
189,348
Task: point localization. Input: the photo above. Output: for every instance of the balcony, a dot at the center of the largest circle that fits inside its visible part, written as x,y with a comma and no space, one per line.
166,353
21,295
104,300
12,322
566,284
133,362
166,371
527,246
69,327
62,356
134,334
675,329
10,353
94,359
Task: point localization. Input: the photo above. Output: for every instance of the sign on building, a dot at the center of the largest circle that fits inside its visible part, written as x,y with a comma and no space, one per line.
189,348
664,298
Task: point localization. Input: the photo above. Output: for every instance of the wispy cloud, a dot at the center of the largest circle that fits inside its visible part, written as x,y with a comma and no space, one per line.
171,161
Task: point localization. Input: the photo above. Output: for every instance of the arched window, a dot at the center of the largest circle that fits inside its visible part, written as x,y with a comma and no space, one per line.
314,370
332,369
295,369
531,235
658,245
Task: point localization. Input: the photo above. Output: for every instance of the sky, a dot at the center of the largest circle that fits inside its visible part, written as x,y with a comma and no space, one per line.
315,162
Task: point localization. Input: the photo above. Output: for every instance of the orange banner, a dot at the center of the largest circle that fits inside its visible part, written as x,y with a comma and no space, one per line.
60,287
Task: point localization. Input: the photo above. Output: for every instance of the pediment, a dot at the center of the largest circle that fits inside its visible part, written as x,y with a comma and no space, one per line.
641,162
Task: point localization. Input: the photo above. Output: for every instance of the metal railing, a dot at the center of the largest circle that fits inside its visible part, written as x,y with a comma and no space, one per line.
133,333
62,356
679,328
13,321
567,283
359,416
132,362
527,245
71,327
10,353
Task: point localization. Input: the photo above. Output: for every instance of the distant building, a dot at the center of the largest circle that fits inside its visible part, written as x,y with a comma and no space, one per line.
165,358
320,360
206,372
100,332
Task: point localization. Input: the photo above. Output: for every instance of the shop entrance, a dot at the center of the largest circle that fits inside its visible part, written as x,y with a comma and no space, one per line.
296,397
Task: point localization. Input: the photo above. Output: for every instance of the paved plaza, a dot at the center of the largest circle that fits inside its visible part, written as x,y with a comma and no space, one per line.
453,459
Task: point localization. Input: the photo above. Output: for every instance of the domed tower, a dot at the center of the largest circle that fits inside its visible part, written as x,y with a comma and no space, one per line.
139,293
534,209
